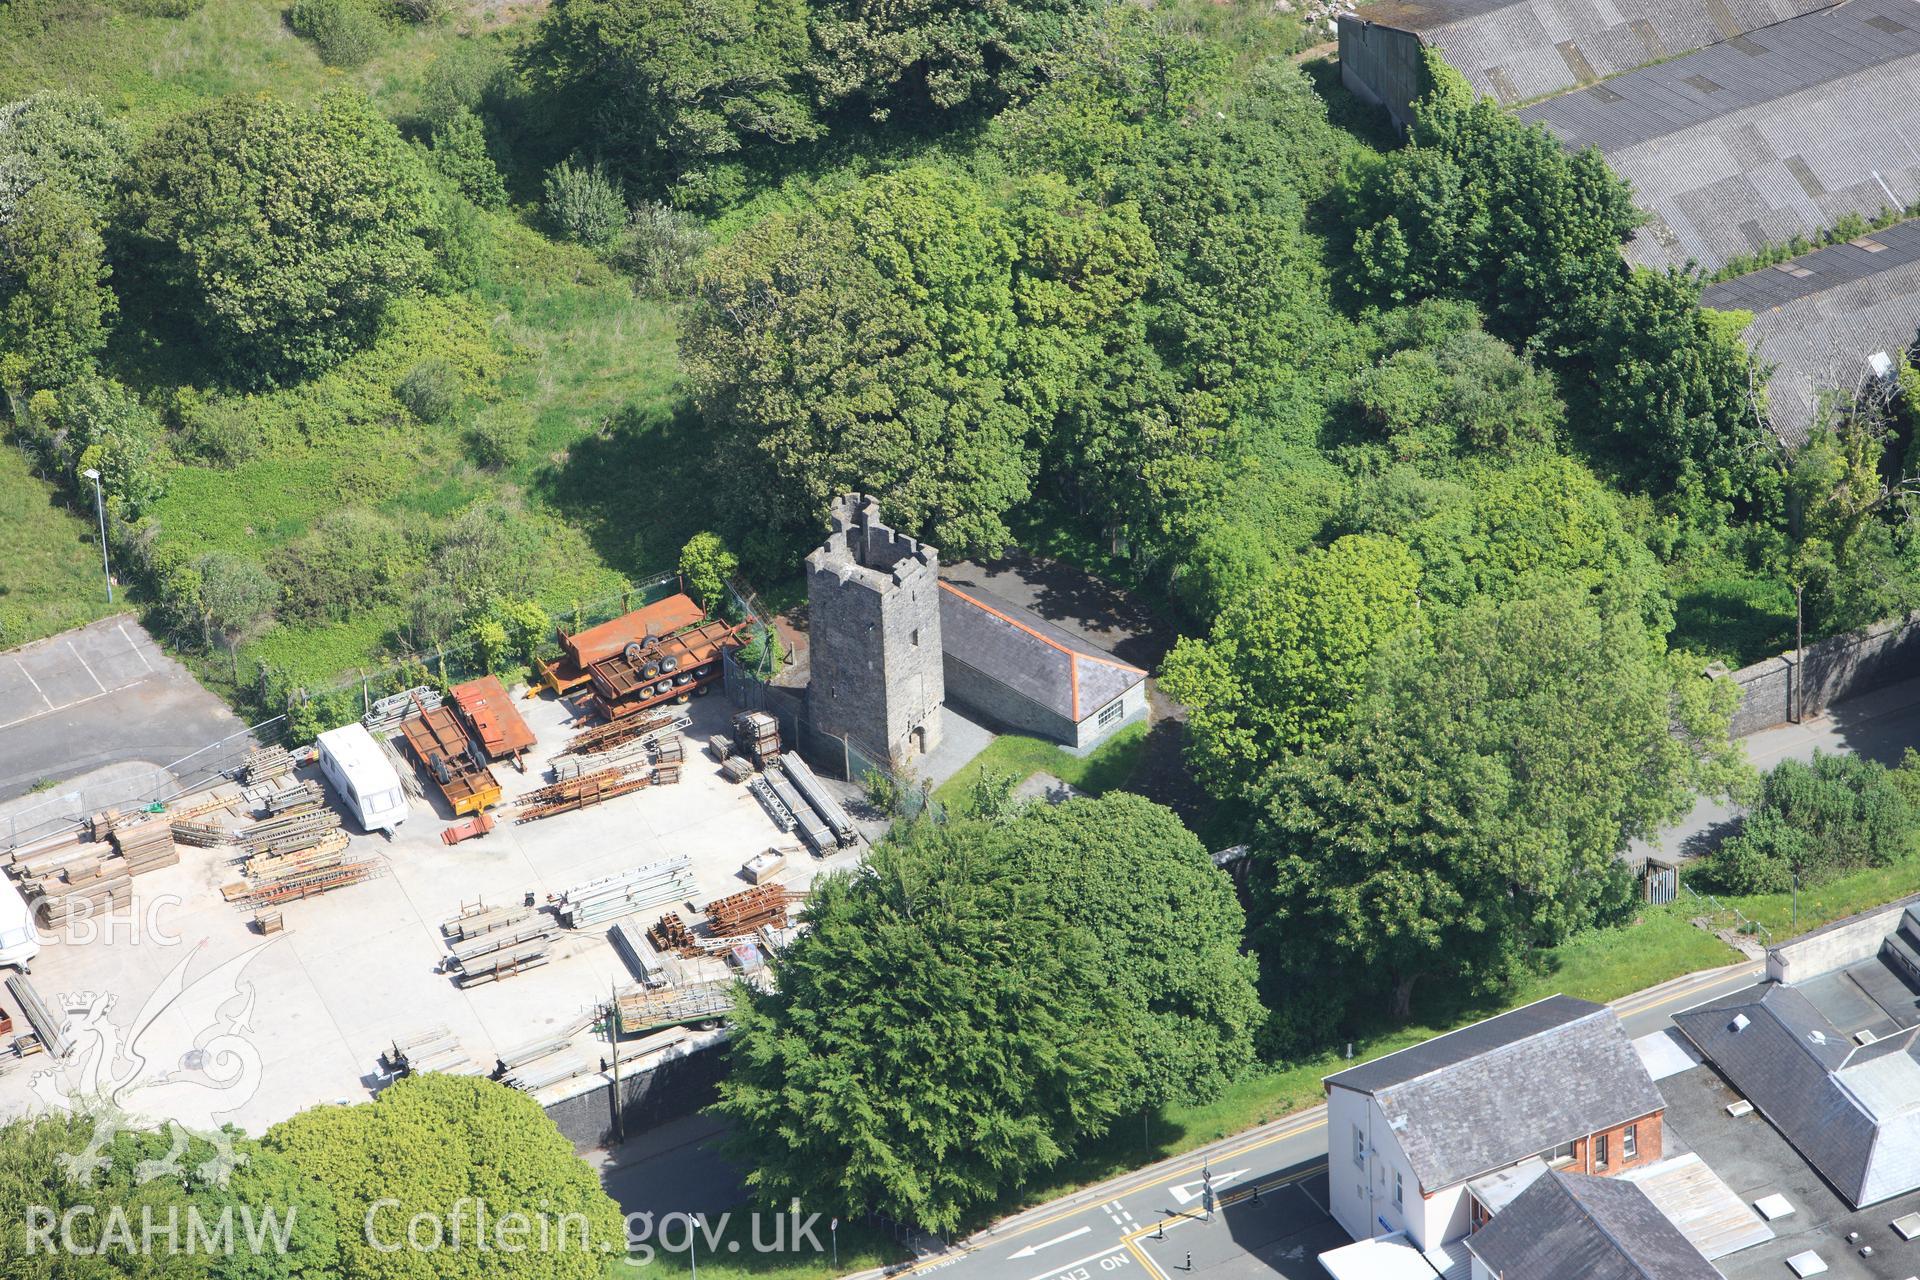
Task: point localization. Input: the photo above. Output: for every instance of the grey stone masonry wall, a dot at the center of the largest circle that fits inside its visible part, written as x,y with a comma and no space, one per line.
1002,707
874,633
1838,667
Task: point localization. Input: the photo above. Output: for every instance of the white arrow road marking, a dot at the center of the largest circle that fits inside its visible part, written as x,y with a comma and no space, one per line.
1032,1249
1182,1195
1068,1266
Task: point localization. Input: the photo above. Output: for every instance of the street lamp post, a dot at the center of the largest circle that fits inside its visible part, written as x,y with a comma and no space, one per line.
100,511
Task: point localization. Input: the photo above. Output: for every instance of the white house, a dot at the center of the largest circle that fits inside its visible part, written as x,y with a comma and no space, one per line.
1434,1140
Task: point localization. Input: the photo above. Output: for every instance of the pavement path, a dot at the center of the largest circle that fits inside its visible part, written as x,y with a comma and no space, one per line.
1881,725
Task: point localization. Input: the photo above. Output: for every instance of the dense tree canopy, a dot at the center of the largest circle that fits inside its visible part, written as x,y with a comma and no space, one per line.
1474,804
433,1142
980,997
284,231
64,138
1285,666
55,306
938,53
673,86
878,345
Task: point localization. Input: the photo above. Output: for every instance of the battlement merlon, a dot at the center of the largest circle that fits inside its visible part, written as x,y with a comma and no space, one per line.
861,540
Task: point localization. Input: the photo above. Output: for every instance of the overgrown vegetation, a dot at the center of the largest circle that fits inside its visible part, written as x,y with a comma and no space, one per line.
1814,821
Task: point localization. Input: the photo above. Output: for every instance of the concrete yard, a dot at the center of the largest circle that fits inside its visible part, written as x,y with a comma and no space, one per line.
356,967
95,696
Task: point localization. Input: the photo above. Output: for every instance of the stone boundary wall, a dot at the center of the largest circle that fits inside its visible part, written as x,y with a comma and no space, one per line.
1839,667
679,1085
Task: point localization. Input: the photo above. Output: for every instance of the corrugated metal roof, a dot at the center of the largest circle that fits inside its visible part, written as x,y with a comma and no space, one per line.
1485,1096
1820,316
1516,51
1746,143
1568,1226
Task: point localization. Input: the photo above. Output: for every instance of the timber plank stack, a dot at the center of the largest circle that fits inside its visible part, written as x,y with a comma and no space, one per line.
264,764
480,919
756,735
146,845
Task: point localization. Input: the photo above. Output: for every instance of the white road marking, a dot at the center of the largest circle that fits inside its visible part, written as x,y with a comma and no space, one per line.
1302,1184
1183,1196
137,651
1032,1249
83,662
92,697
36,686
1068,1266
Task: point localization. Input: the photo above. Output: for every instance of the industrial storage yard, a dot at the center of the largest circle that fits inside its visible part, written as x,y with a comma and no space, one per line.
497,953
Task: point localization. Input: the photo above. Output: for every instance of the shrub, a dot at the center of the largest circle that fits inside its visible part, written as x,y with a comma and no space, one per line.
349,562
420,12
460,152
1814,820
345,32
659,247
429,390
497,443
584,205
464,76
705,565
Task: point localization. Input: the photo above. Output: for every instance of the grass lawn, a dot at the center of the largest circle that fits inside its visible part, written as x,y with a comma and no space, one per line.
1837,898
51,578
1107,766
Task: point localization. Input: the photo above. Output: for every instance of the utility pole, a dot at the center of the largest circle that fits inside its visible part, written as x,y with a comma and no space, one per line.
100,511
613,1042
1799,691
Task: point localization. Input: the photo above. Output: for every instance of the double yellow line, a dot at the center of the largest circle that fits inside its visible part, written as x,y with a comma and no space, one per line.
1153,1268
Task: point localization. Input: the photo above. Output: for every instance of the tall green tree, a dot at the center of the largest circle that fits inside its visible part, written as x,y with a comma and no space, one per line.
438,1145
1482,205
1287,664
940,54
1474,806
55,306
237,597
706,565
938,1038
284,231
674,87
871,346
1173,953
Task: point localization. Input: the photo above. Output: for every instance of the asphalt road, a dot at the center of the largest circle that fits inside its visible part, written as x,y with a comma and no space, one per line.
100,695
1880,725
1272,1219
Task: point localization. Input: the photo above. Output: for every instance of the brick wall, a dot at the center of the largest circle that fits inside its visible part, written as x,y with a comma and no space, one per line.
1647,1134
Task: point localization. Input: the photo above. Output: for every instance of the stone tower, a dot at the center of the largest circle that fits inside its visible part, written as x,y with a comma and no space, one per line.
874,634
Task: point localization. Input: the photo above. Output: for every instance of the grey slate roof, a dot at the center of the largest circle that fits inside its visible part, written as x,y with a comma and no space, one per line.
1818,317
1042,663
1517,50
1772,133
1568,1226
1852,1111
1485,1096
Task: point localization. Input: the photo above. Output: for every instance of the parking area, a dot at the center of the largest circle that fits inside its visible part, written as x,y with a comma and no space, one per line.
358,967
97,696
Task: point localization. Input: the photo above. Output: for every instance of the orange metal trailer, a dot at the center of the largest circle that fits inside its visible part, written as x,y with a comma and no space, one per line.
456,766
490,713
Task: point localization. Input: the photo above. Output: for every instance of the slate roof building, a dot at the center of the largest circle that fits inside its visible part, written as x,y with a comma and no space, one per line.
1772,132
1517,51
1568,1226
1852,1110
1820,317
1012,669
1436,1139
